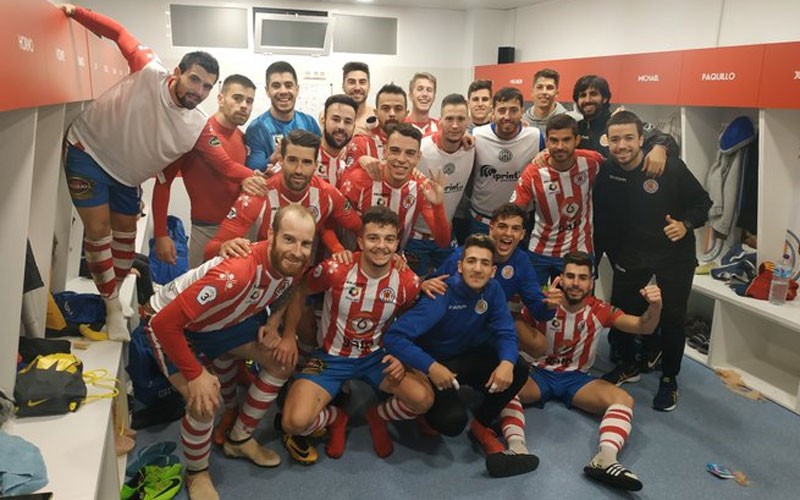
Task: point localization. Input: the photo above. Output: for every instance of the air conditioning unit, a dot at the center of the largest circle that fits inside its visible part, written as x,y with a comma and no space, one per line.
289,31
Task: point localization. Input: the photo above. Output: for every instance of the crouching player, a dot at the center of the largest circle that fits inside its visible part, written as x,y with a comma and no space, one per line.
361,300
569,343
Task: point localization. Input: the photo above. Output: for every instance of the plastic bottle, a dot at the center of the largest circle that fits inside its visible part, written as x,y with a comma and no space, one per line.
780,283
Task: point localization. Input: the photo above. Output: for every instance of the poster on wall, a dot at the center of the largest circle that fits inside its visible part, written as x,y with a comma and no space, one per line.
791,247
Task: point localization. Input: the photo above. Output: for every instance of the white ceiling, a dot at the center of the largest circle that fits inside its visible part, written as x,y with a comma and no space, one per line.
447,4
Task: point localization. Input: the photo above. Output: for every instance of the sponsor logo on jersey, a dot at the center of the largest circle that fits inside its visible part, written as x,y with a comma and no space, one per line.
581,325
285,284
206,295
347,205
362,326
380,200
80,188
231,213
604,140
488,171
553,187
555,323
229,279
387,295
507,272
317,271
570,208
214,141
255,295
449,168
454,188
352,293
650,186
505,155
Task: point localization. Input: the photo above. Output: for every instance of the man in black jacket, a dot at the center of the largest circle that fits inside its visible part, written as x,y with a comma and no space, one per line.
645,227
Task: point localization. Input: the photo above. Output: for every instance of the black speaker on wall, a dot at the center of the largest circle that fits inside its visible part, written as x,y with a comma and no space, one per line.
505,55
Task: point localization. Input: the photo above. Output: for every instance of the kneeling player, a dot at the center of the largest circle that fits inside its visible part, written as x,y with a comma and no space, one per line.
361,300
561,373
216,306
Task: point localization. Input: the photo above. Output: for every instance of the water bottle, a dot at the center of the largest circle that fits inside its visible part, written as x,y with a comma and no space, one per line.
780,283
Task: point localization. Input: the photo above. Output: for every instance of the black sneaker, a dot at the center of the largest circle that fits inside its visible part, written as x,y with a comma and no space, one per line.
622,374
508,463
614,475
667,396
650,361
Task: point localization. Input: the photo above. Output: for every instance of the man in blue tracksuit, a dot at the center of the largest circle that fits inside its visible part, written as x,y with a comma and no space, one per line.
515,273
467,336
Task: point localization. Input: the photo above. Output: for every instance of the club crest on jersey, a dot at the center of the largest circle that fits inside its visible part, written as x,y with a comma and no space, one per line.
409,200
206,295
214,141
570,208
314,212
277,138
387,295
449,168
507,272
581,178
481,306
362,325
553,187
650,186
228,278
231,213
505,155
604,140
352,293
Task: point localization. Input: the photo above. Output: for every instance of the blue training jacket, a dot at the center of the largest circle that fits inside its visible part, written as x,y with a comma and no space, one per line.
444,327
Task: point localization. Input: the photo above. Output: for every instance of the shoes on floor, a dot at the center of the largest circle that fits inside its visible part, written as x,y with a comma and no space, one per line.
508,463
622,374
614,475
251,450
667,396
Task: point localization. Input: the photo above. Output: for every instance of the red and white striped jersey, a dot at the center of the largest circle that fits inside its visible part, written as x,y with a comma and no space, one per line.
427,128
218,294
358,309
329,167
407,201
563,204
572,337
369,144
320,198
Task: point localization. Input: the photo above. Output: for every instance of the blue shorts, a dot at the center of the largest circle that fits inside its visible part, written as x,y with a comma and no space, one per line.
559,385
91,186
546,267
211,345
330,372
424,256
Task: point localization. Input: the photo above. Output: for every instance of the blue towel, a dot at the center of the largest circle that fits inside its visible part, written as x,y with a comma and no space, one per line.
22,469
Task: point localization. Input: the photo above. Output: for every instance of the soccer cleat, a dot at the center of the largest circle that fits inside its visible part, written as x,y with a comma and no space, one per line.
379,430
337,435
614,475
622,374
200,487
508,463
300,449
485,437
667,396
224,425
251,450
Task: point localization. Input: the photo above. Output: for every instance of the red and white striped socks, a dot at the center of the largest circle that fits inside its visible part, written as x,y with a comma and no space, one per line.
393,410
260,396
123,250
512,422
226,370
325,418
100,261
196,441
615,427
